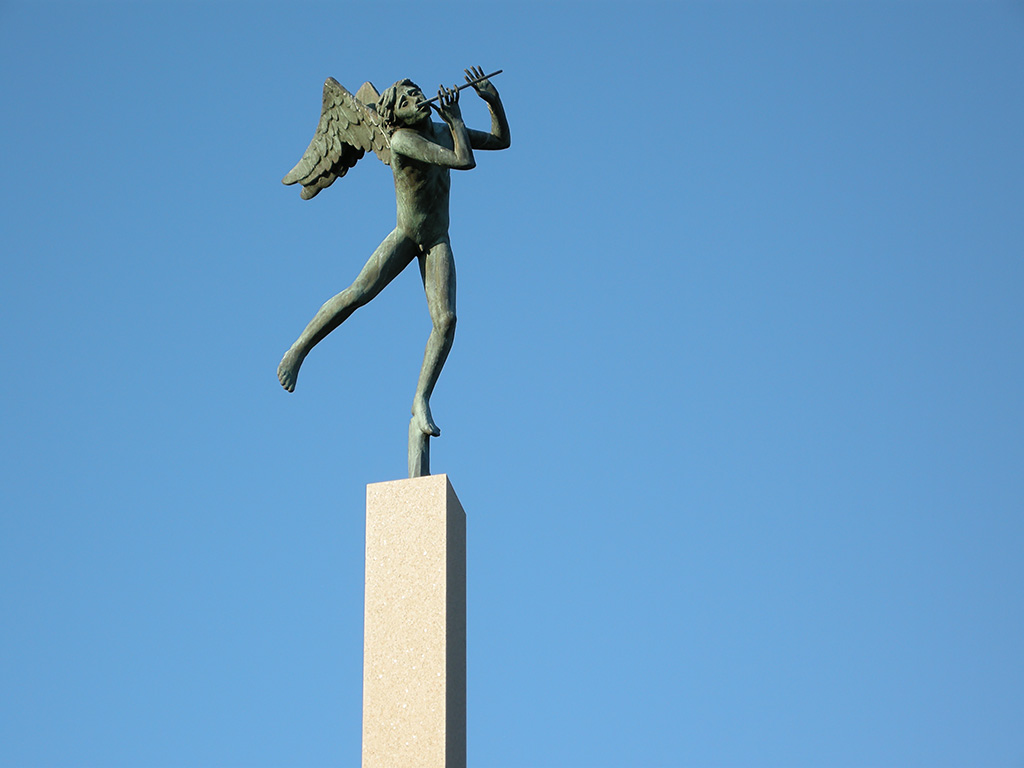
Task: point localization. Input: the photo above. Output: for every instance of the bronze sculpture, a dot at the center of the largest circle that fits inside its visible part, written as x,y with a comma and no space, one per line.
396,126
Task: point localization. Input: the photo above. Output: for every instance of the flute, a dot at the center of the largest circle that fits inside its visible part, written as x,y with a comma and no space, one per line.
466,85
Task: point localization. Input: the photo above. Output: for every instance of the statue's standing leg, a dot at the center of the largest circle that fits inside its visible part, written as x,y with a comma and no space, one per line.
437,268
419,451
390,258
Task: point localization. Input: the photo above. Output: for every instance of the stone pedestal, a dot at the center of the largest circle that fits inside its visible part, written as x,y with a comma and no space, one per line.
414,642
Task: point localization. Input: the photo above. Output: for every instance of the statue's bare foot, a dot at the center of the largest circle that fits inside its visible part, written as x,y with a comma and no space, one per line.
421,416
288,370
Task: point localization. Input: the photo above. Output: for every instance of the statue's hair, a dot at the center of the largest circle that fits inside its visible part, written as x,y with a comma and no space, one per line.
386,105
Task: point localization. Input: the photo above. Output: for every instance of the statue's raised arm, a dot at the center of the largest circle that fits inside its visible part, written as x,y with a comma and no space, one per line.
499,137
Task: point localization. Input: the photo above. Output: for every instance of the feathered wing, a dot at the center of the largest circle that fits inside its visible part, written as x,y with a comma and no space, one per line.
368,95
347,129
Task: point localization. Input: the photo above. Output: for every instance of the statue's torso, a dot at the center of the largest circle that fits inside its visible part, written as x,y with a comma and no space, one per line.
422,192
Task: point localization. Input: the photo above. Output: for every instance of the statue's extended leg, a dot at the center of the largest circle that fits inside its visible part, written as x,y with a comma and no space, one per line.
390,258
437,267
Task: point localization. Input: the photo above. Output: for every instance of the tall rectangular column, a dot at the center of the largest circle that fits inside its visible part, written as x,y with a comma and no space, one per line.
414,641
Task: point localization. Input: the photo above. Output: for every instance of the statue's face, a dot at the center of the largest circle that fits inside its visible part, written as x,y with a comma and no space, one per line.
411,106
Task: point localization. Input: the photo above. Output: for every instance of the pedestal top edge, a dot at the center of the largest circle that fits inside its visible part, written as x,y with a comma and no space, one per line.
425,480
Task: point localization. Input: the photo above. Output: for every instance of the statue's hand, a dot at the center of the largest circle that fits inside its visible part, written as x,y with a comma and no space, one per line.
448,104
484,89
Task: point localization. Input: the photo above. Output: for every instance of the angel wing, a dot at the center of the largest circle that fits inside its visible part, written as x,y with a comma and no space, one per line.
348,128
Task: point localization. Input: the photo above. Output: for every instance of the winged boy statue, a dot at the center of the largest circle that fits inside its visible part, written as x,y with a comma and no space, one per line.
396,125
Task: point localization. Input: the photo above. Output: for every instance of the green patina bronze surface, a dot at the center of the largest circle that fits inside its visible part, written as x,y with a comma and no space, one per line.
396,125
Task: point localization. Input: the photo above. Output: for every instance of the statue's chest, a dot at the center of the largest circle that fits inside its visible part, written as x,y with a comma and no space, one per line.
422,179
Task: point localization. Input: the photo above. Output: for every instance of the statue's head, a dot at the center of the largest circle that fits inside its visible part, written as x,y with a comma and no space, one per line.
402,105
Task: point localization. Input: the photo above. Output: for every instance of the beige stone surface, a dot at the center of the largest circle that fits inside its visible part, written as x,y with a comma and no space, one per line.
414,646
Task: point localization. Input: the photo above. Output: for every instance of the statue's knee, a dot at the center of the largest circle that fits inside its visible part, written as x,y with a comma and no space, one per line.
446,323
358,294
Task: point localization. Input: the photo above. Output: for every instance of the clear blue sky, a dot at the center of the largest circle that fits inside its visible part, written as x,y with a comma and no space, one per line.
735,406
